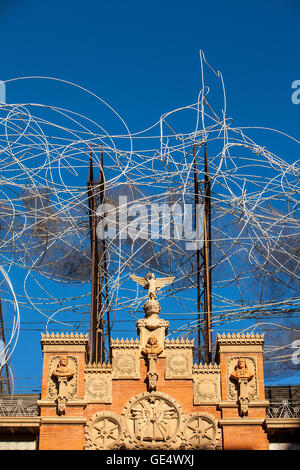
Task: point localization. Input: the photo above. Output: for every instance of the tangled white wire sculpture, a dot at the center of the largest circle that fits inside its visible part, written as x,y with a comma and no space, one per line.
45,256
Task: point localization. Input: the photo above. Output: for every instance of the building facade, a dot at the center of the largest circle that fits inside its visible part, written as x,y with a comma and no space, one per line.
152,396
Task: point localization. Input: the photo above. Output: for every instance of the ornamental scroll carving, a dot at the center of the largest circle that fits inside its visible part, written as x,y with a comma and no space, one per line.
179,364
242,382
62,381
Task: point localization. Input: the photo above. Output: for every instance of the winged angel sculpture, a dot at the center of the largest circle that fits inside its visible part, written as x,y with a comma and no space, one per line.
151,284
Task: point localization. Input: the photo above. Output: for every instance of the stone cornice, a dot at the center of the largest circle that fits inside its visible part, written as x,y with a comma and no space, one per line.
241,421
20,421
63,420
274,423
251,404
64,338
78,402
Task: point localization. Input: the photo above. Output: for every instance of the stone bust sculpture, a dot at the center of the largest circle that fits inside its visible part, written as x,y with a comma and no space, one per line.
152,347
241,370
63,369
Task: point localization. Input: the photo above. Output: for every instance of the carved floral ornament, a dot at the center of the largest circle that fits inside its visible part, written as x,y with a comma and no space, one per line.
152,421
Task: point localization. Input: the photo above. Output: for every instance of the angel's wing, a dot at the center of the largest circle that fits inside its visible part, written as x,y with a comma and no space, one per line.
139,280
163,281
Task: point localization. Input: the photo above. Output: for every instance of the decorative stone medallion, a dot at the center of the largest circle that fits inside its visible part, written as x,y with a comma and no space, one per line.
103,431
201,431
152,420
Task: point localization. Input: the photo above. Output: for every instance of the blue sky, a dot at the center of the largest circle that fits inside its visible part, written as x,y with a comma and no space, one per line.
143,57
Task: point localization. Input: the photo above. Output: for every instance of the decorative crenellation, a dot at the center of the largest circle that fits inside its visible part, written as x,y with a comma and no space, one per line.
240,338
125,343
64,338
98,368
179,343
205,368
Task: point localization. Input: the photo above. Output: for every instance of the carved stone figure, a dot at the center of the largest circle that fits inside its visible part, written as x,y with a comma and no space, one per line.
151,351
241,375
241,370
62,374
152,420
63,369
151,284
152,347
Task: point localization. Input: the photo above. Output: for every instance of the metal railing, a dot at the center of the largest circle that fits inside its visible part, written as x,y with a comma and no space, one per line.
18,407
283,409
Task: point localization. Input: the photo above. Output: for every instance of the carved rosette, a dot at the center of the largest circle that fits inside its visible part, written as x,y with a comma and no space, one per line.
152,421
201,431
103,431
